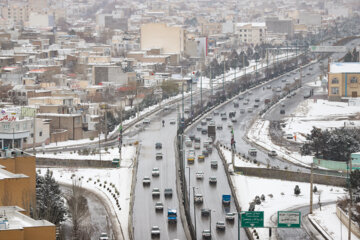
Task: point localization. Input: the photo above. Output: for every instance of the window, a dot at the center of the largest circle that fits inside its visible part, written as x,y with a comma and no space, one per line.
32,135
40,134
335,90
334,81
17,127
25,126
6,126
353,80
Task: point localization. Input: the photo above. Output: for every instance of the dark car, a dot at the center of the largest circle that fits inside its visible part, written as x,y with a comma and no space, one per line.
282,111
205,212
158,145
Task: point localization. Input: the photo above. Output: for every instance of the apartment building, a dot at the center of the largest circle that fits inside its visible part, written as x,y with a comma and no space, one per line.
251,33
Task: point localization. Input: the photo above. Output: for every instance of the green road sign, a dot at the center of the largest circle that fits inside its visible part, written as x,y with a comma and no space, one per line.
289,219
252,219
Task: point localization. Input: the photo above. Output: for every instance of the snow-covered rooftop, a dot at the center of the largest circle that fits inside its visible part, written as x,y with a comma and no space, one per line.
254,24
345,67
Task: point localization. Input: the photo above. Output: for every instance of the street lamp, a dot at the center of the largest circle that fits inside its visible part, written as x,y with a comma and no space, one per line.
189,184
194,212
210,220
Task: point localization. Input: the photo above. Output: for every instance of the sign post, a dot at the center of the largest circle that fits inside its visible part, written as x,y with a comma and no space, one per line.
253,219
289,219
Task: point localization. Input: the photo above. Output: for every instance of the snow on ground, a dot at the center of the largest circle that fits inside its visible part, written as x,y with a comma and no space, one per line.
259,134
91,178
328,222
239,161
322,114
247,188
109,155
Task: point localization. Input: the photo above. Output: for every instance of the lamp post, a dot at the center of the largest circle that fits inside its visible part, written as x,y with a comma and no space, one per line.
194,213
189,184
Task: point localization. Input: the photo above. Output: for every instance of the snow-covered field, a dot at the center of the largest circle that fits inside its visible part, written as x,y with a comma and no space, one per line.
259,134
327,220
95,180
283,196
109,155
322,114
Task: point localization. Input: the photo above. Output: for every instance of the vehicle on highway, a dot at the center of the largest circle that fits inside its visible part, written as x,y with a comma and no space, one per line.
220,225
245,103
214,164
197,145
256,105
252,152
204,131
282,105
219,127
192,137
289,136
156,192
172,216
257,99
234,120
307,95
267,100
191,156
250,92
272,153
223,118
198,128
158,145
146,180
241,97
230,216
205,152
168,192
155,231
198,198
188,142
203,122
278,89
158,156
187,110
226,199
155,172
197,139
205,212
250,110
103,236
282,111
146,121
201,157
208,118
209,149
206,234
236,104
242,110
216,113
212,180
268,86
172,121
199,175
159,206
288,96
284,80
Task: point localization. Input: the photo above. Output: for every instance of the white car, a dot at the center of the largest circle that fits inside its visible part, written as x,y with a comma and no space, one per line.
172,121
103,236
220,225
198,198
197,145
212,180
230,216
155,231
146,180
159,206
199,175
155,192
155,172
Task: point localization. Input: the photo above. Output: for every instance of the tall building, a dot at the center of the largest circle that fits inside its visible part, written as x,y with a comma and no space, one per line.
170,39
251,33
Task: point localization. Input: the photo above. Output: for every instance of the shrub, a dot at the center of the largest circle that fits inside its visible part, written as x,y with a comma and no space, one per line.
257,200
270,195
297,190
315,189
91,138
262,197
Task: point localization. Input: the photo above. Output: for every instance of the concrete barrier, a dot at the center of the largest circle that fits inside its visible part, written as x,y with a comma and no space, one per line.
345,220
56,162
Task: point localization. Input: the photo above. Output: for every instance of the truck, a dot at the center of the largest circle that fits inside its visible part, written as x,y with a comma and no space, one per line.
226,198
172,216
212,131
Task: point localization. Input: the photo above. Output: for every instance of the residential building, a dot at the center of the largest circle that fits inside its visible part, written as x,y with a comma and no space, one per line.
275,25
344,80
251,33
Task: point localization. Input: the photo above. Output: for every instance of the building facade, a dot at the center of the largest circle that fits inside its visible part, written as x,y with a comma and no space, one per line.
251,33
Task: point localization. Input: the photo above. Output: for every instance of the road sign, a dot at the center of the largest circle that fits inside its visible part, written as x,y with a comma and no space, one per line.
289,219
252,219
328,49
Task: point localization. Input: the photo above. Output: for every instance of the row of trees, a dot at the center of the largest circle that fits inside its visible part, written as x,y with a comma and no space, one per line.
337,144
352,56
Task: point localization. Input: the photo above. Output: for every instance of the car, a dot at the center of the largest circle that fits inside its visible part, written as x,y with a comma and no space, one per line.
288,96
172,121
187,110
188,142
242,110
199,175
293,94
256,105
250,110
209,140
198,128
212,180
198,198
272,153
103,236
250,92
166,108
245,103
222,114
191,156
206,234
309,73
197,145
310,68
168,192
284,80
205,152
289,136
204,131
155,172
212,123
216,113
205,144
159,206
197,139
205,212
257,99
268,87
208,118
252,152
155,231
230,216
282,111
282,105
214,164
158,156
155,192
241,97
158,145
307,95
146,121
203,122
209,148
192,137
220,225
233,120
201,157
278,89
146,180
219,127
223,118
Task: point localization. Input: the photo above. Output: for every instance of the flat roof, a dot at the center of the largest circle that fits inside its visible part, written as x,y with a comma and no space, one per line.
345,67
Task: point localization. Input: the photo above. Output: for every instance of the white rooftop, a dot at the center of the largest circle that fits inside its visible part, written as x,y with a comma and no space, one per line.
254,24
345,67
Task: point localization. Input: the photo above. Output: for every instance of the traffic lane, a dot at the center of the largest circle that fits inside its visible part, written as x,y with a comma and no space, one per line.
212,193
145,215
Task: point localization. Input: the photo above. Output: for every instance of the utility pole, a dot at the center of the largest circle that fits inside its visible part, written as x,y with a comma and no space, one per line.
194,213
120,137
244,65
182,100
350,193
224,79
106,129
99,147
191,101
311,189
34,133
201,103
